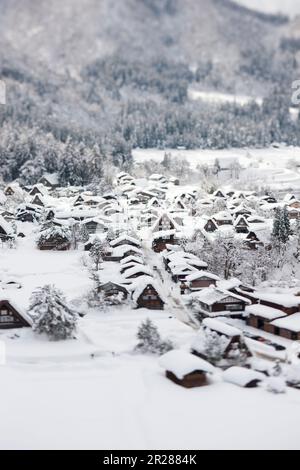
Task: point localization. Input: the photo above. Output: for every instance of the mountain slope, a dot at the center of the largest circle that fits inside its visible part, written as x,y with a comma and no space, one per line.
74,32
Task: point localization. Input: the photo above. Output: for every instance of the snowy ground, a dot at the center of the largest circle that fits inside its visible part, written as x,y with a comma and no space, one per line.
95,393
126,402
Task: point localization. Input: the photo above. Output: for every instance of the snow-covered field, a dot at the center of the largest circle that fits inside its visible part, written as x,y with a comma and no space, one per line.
269,167
94,393
126,402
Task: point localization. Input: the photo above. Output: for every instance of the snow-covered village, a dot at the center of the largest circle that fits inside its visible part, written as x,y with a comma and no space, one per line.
180,293
149,228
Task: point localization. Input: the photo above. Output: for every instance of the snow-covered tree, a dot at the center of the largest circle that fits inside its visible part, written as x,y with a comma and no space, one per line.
60,237
276,382
256,265
214,345
150,340
51,314
238,355
97,252
225,255
281,226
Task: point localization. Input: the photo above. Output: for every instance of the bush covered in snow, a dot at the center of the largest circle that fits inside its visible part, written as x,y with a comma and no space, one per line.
276,383
150,340
51,314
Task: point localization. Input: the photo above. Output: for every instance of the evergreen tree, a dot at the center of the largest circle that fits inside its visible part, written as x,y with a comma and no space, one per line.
281,226
214,346
51,314
150,340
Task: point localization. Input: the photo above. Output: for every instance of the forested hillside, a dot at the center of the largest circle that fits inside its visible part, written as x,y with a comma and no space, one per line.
88,80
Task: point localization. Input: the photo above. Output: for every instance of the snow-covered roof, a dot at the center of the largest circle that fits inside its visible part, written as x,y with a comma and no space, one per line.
5,226
20,310
202,274
228,284
52,178
221,327
291,323
131,258
163,234
157,177
211,295
241,376
123,249
263,311
287,300
125,238
137,269
223,215
182,268
139,285
182,363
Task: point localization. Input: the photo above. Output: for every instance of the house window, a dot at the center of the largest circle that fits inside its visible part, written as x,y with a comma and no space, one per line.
149,297
233,307
4,311
6,319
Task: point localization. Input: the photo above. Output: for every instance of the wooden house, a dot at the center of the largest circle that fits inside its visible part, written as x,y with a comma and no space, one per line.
223,218
185,369
38,189
50,215
93,226
125,240
50,180
147,295
162,239
120,252
219,194
54,239
111,289
287,304
12,317
260,316
6,232
131,259
137,271
181,272
293,213
215,302
269,199
13,189
252,241
200,280
164,223
241,225
38,201
211,226
8,215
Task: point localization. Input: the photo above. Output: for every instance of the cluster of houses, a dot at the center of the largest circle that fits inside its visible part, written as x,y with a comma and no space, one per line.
143,222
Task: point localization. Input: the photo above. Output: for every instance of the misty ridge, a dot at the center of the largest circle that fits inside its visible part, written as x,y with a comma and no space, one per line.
89,80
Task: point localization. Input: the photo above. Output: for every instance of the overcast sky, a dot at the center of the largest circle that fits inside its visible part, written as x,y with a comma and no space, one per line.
285,6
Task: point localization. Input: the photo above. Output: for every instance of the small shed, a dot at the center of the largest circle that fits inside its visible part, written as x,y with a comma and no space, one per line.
111,289
245,378
186,370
